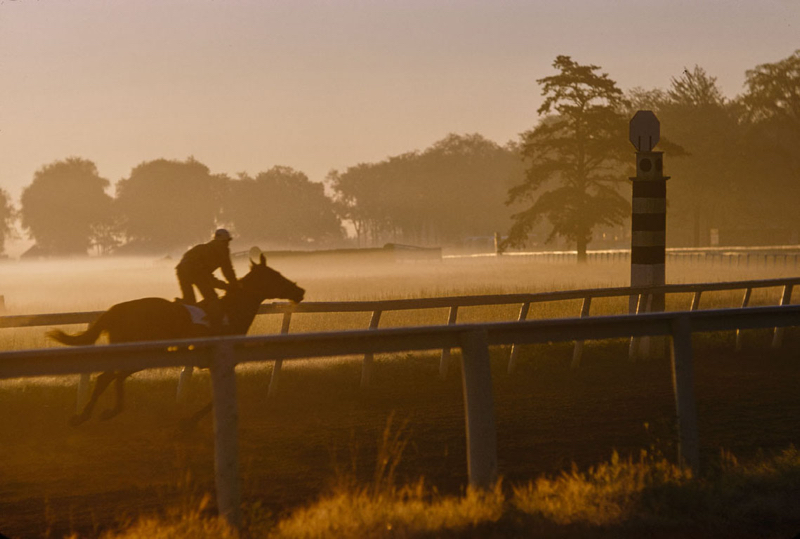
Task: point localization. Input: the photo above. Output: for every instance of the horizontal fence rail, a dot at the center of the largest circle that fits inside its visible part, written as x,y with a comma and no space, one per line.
222,354
197,352
638,296
30,320
507,299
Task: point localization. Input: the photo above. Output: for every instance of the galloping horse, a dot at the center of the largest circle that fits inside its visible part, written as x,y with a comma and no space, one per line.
152,319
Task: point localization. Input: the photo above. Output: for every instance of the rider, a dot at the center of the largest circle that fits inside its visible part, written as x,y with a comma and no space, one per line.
197,268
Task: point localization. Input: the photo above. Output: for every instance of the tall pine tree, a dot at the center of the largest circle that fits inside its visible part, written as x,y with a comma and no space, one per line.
576,156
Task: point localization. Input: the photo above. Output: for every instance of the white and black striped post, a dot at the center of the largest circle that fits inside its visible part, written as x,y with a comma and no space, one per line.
648,216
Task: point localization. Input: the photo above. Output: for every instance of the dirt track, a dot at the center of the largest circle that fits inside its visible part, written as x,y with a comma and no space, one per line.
55,479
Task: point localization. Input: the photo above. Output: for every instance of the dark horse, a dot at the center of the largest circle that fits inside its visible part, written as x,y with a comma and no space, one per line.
152,319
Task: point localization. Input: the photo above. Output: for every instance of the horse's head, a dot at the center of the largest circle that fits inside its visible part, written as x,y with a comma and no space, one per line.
267,283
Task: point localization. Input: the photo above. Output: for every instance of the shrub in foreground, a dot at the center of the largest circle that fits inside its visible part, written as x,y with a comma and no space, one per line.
610,493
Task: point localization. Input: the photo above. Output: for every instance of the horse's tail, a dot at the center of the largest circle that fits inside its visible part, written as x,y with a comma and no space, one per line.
80,339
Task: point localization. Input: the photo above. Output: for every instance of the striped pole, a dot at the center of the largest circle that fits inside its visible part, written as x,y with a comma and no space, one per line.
648,232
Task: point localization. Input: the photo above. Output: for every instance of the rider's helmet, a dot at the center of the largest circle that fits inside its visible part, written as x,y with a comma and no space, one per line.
222,234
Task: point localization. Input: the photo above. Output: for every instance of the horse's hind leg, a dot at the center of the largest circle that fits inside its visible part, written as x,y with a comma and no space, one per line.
119,405
100,385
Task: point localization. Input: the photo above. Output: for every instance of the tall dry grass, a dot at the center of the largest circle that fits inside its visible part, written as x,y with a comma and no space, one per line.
647,496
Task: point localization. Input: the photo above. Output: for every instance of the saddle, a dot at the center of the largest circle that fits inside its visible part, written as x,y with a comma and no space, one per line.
198,315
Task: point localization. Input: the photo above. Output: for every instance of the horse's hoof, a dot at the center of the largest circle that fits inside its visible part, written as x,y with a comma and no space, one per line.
76,420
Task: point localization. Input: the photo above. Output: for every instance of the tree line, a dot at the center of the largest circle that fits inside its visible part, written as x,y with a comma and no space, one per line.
734,165
455,189
167,205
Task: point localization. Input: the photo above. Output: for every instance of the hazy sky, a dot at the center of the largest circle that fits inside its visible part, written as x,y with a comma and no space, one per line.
315,85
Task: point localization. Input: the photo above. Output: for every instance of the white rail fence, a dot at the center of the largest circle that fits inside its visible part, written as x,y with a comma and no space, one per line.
639,302
788,257
222,355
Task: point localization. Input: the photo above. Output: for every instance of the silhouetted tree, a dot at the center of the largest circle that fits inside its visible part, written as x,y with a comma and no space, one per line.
167,205
575,155
108,235
696,116
281,207
741,154
353,199
449,191
771,105
773,93
62,205
7,217
371,195
465,179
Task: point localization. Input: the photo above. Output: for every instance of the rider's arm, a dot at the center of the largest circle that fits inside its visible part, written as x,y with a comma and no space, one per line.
219,284
227,267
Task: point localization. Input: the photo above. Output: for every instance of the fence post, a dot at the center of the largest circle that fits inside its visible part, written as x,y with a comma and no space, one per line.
683,387
444,363
633,303
577,352
786,299
479,410
226,442
512,360
366,367
745,302
696,300
276,367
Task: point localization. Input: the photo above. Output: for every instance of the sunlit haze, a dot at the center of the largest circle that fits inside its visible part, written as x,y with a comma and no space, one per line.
320,85
443,314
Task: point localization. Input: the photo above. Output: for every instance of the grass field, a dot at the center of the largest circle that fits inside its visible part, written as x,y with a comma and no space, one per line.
321,435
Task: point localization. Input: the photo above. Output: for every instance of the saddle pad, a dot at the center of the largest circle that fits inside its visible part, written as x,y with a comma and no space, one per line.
198,315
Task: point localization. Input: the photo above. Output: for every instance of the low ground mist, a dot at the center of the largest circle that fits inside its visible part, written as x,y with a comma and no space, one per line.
97,283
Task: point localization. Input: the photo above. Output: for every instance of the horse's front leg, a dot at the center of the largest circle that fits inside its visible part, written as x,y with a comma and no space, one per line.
100,385
120,393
